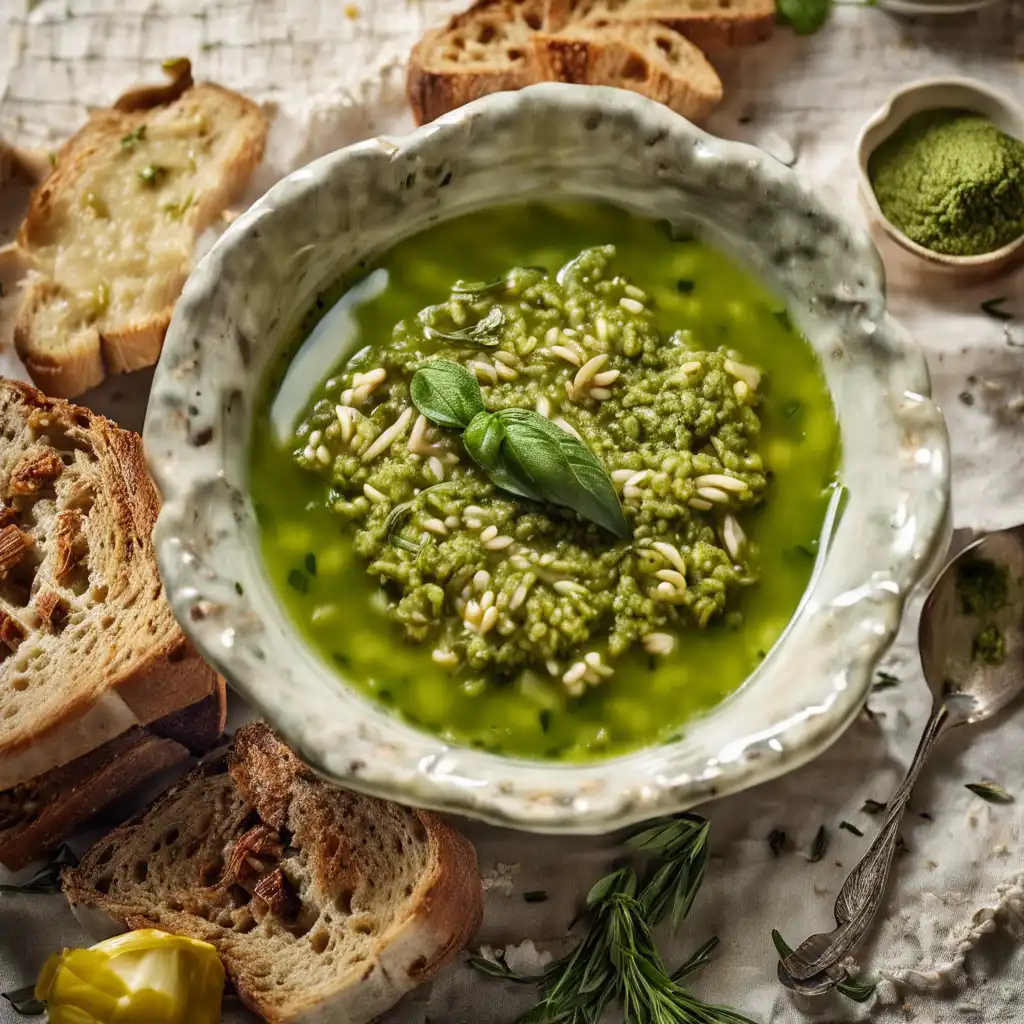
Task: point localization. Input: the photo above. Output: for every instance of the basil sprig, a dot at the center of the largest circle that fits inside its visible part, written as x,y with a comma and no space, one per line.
521,451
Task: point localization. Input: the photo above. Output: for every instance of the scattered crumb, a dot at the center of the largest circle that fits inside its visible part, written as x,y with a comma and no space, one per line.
499,878
526,958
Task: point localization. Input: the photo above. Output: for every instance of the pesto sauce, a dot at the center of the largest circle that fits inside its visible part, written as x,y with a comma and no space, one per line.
323,582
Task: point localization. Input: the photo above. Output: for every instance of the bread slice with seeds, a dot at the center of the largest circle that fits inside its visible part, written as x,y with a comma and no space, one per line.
712,25
324,905
647,58
88,645
110,233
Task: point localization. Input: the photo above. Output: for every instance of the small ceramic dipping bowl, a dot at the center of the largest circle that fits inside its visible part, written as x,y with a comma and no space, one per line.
245,300
939,94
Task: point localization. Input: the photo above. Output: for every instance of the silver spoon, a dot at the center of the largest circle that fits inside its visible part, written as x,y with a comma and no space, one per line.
966,690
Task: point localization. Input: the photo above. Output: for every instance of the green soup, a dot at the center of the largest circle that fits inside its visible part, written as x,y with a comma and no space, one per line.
416,563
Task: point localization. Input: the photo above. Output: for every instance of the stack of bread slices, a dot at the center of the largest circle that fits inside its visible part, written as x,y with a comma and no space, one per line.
99,688
653,47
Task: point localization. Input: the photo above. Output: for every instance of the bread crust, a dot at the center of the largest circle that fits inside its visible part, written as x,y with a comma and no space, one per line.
94,345
599,57
109,691
436,917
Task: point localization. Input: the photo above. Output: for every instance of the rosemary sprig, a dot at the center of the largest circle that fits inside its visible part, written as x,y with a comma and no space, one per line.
683,844
617,960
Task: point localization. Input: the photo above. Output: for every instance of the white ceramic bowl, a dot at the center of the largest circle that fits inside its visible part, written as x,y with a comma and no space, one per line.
939,94
247,296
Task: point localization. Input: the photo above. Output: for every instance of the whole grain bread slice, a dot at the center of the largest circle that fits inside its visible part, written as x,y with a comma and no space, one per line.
711,25
647,58
324,905
110,232
488,48
37,815
88,645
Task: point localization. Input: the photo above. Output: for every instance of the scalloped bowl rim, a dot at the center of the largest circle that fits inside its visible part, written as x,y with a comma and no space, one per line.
206,528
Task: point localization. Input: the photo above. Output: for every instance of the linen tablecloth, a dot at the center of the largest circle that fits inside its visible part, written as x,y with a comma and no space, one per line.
946,944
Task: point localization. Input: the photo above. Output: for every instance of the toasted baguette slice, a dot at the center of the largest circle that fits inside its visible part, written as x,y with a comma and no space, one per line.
709,24
110,233
325,905
488,48
646,58
88,645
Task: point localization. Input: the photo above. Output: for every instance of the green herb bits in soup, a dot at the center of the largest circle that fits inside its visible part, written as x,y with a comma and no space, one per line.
544,480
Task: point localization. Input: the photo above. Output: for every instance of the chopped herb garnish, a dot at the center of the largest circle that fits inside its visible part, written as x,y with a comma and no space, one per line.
177,210
925,815
776,840
298,580
239,589
873,806
497,969
982,585
810,550
782,317
152,173
132,139
310,563
24,1001
535,896
340,659
544,717
484,332
989,646
885,681
819,846
990,791
850,828
47,879
966,398
685,287
792,409
992,308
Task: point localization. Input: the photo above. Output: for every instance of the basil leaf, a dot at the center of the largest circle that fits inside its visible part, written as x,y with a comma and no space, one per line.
804,17
483,439
446,393
563,469
483,332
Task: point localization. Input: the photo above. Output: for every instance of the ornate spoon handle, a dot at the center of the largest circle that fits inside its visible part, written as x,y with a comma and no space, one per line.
863,889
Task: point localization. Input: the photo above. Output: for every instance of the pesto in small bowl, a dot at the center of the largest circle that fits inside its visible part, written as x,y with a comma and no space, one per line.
619,539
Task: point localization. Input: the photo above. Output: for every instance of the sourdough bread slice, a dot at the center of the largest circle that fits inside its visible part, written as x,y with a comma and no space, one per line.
37,815
647,58
88,645
110,232
324,905
488,48
709,24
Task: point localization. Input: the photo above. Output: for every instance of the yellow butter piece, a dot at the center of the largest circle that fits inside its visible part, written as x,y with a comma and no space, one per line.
141,977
